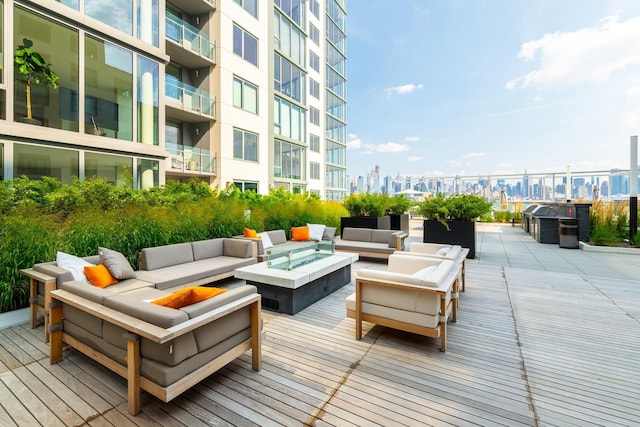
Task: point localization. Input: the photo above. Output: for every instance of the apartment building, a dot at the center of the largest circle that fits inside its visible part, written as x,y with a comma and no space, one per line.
249,92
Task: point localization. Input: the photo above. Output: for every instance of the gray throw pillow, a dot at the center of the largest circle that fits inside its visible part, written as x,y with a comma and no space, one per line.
116,263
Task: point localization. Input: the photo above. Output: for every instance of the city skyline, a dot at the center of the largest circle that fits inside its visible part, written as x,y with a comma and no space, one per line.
446,88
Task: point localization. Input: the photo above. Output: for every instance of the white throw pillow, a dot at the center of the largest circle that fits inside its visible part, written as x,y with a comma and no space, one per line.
316,231
266,240
74,264
443,251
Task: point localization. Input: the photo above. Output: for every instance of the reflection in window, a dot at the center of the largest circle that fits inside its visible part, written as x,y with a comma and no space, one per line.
35,162
108,90
245,45
245,145
147,101
250,6
245,95
289,160
75,4
289,80
147,21
55,108
246,186
2,66
148,174
116,13
289,120
113,169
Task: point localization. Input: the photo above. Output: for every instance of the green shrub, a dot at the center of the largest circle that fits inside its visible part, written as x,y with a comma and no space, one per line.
459,207
366,204
39,218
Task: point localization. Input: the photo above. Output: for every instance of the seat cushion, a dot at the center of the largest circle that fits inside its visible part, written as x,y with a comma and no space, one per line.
359,234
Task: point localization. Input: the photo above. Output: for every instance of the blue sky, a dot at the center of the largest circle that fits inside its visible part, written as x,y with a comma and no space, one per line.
446,87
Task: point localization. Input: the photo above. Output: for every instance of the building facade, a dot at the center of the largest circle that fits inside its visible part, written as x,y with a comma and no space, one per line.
230,91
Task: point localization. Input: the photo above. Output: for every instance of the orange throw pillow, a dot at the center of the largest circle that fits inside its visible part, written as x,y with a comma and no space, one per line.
188,296
300,234
99,275
250,233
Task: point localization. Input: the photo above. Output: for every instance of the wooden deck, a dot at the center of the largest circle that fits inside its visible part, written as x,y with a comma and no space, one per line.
529,348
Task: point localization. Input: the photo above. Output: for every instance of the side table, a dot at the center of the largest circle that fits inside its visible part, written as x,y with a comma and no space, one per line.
49,284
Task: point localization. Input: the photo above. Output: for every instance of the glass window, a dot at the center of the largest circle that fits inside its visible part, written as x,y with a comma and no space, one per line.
246,185
250,6
2,56
35,162
58,45
314,143
314,34
294,9
118,14
245,95
284,114
314,7
314,116
75,4
314,61
114,169
289,40
289,160
314,170
289,80
245,45
148,21
108,102
245,145
148,173
314,88
148,101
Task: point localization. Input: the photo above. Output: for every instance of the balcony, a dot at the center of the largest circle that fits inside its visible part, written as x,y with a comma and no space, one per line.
190,160
189,46
197,7
187,103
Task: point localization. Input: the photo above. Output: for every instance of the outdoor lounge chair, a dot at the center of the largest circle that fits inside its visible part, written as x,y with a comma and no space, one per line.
414,294
455,253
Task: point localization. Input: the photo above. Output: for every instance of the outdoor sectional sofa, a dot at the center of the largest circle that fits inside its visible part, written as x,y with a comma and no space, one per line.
371,243
278,239
159,349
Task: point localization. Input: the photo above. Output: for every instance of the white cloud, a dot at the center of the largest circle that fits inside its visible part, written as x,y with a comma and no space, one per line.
401,90
354,142
388,147
474,155
586,55
412,138
414,158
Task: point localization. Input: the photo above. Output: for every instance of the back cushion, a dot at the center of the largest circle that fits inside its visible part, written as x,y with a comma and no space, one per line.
277,237
360,234
165,256
238,248
381,236
204,249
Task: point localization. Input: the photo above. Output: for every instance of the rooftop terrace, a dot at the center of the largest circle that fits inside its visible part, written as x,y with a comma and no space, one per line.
545,336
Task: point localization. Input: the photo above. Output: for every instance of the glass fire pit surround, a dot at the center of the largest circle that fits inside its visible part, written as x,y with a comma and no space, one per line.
296,254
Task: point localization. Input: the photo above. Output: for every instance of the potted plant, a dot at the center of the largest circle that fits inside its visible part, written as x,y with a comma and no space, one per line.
397,208
451,220
34,70
366,210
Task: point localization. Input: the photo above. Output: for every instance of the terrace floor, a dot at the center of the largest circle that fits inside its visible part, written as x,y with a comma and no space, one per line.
545,336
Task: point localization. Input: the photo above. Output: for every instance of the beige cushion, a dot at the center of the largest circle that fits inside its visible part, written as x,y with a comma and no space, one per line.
382,236
408,316
359,234
207,248
238,248
165,256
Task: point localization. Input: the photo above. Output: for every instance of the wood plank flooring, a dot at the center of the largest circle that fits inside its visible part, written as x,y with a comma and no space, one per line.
530,348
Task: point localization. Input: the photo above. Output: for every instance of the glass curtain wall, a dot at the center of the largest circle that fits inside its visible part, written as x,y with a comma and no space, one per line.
58,45
35,162
108,90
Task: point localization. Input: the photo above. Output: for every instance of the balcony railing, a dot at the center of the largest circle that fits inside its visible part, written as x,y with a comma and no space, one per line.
189,37
189,97
190,159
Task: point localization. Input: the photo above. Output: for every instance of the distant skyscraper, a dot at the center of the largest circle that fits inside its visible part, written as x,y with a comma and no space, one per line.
525,185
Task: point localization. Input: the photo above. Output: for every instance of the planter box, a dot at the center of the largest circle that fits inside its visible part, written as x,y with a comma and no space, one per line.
376,222
461,233
400,222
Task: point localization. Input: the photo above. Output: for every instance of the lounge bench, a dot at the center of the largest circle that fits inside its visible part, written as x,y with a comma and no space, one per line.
371,243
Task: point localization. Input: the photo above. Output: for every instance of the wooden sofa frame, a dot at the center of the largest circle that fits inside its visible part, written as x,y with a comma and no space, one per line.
446,309
136,329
